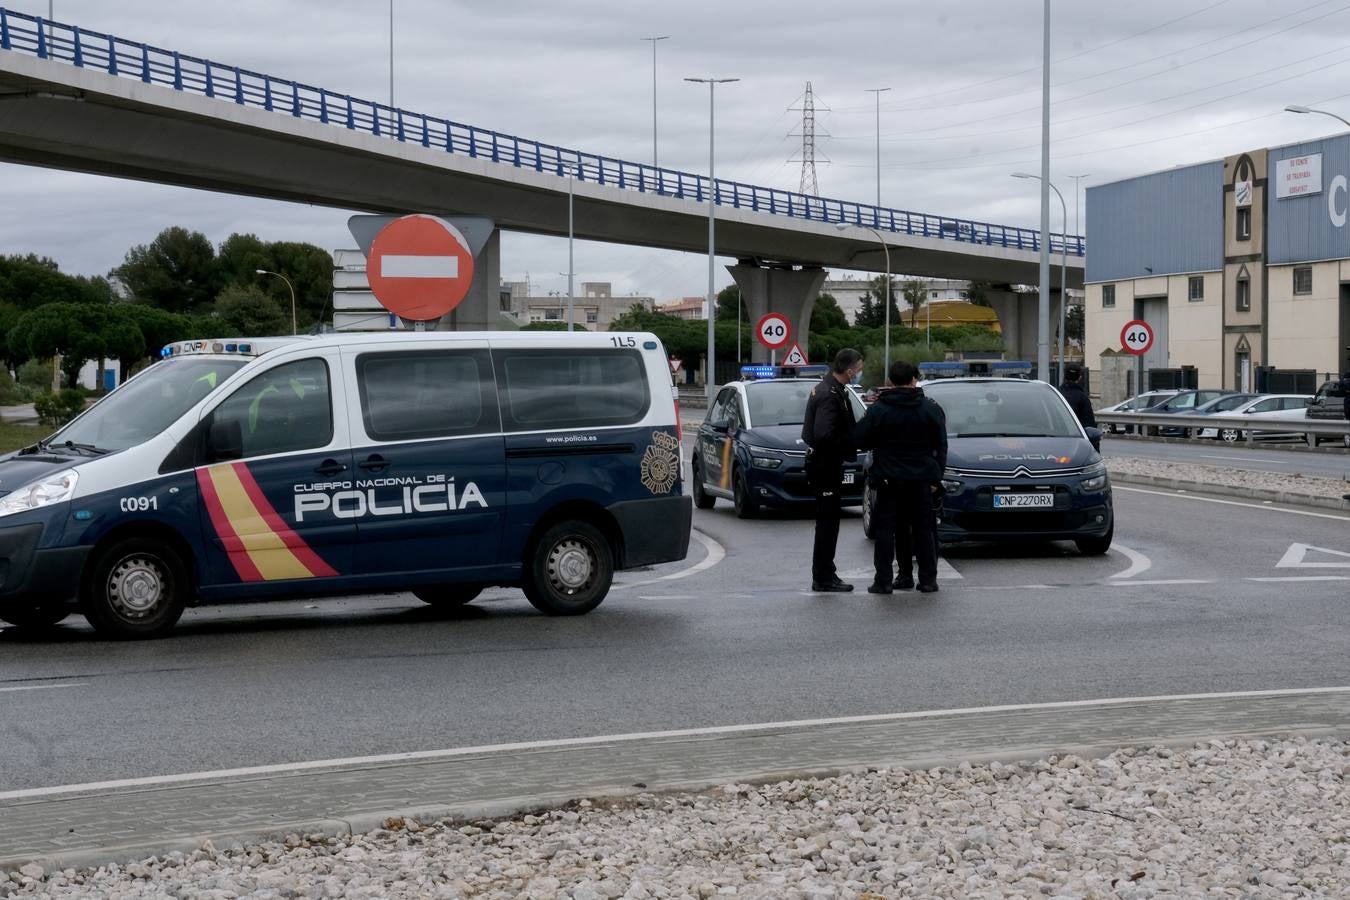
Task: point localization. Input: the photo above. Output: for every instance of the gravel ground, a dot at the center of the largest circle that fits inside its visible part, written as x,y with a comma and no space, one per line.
1222,819
1220,475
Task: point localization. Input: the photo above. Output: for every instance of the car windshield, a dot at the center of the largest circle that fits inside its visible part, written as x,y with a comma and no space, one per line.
147,403
784,402
1003,409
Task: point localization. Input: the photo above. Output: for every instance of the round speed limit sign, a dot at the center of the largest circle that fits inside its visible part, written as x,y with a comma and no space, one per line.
1136,337
773,330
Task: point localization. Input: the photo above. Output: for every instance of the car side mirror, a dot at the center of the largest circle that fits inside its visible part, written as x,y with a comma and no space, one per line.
720,426
1094,436
225,441
1310,403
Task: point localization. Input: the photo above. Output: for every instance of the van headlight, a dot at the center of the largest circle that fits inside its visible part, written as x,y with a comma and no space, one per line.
1094,477
55,488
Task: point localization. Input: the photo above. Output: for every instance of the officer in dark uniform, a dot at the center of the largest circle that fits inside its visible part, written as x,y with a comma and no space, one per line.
907,434
1077,397
828,433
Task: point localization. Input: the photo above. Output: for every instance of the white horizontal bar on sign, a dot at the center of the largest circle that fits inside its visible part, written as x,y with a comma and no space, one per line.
365,321
347,300
349,259
350,280
419,266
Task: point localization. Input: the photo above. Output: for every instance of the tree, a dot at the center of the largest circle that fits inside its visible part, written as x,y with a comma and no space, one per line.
310,270
79,332
827,316
872,312
1073,322
176,271
246,311
916,294
728,299
160,327
977,292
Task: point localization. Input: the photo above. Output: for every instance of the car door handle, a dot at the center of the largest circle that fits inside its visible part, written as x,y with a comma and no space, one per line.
330,467
374,463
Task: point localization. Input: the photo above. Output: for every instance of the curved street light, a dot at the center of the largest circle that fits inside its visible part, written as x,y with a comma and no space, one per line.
886,354
1303,110
1063,269
292,290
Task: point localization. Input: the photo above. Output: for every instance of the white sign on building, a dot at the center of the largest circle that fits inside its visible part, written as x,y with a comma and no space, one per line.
1298,176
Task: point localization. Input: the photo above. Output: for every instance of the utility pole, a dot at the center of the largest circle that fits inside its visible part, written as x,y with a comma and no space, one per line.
391,57
1043,310
878,92
664,37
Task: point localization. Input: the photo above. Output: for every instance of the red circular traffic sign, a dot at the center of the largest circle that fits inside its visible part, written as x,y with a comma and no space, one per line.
773,330
1136,337
420,267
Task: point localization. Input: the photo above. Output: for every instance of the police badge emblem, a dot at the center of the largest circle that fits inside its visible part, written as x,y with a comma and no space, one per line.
660,463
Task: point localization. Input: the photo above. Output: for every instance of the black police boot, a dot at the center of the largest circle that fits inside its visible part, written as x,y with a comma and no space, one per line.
878,588
834,586
928,587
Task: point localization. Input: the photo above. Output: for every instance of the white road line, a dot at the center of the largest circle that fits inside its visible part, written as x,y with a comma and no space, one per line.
945,572
1292,512
42,687
421,755
1273,462
1159,581
667,597
716,553
1303,578
1139,563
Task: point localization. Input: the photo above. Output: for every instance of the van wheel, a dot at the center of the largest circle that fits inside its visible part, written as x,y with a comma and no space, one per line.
137,588
868,511
702,499
1095,546
37,615
448,596
746,507
569,569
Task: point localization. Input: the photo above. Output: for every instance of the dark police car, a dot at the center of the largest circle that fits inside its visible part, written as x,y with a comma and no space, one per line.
749,448
1019,467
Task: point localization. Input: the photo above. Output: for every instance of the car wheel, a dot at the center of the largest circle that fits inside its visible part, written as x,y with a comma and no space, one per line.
569,569
746,507
137,588
35,615
448,596
868,505
1230,435
1095,546
702,499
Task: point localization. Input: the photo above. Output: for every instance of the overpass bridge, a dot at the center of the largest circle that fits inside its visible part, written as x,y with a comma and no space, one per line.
80,100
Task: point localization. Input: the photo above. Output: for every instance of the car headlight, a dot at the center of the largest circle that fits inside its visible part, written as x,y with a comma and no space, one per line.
950,484
1094,477
52,489
765,458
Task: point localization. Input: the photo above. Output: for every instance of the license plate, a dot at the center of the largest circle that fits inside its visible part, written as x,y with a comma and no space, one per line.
848,477
1024,501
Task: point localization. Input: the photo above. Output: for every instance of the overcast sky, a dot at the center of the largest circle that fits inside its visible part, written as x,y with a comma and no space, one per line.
1136,87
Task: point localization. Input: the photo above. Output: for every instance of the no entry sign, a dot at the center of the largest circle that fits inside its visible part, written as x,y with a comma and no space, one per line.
773,330
1136,337
419,267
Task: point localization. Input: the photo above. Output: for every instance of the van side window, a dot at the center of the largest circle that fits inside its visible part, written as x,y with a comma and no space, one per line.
545,389
437,393
284,409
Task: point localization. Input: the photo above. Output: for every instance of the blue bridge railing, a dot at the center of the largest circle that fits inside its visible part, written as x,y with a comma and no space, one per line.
46,39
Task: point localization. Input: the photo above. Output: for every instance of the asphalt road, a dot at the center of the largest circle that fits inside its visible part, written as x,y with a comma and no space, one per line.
1265,456
1195,599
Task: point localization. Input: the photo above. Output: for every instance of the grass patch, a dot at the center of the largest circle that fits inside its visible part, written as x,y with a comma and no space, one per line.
14,435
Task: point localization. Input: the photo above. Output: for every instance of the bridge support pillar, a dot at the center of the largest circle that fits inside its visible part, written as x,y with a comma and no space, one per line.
1017,319
481,309
791,292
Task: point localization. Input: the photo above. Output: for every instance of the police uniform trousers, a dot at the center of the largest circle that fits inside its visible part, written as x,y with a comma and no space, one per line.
905,529
826,477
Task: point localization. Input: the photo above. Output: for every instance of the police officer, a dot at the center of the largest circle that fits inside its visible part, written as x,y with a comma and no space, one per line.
1077,397
907,434
828,433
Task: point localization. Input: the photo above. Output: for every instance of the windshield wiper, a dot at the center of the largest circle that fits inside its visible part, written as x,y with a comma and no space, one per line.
83,448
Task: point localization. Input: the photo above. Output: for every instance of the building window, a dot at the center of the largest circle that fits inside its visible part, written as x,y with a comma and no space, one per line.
592,317
1244,223
552,315
1303,279
1197,288
1244,294
1108,296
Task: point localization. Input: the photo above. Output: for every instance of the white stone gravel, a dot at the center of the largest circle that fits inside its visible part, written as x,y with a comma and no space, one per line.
1247,819
1293,482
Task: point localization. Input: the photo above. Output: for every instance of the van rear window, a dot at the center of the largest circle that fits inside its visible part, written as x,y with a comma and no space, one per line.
545,389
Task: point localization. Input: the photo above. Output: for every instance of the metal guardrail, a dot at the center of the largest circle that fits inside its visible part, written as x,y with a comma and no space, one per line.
1246,424
46,39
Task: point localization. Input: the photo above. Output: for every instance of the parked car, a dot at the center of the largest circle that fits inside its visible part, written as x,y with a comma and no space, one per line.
1222,406
1137,403
1328,404
1184,403
1267,409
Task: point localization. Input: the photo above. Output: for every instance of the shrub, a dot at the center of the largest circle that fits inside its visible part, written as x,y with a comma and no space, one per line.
11,392
36,374
55,410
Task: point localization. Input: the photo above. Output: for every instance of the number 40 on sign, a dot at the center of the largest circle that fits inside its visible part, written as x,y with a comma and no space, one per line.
1136,337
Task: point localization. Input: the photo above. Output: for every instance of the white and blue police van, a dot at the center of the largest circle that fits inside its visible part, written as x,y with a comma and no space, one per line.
439,463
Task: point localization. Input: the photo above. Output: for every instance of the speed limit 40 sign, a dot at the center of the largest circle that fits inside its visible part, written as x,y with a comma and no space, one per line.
773,330
1136,337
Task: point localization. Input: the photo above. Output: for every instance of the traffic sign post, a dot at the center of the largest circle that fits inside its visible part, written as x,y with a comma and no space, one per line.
1136,337
795,357
420,267
773,330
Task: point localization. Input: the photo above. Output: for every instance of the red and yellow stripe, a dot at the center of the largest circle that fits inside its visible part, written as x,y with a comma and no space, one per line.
258,542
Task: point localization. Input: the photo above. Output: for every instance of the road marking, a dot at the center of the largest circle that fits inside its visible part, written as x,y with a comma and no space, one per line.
716,553
1139,563
1292,512
1303,578
667,597
945,572
419,755
1273,462
42,687
1293,558
1159,581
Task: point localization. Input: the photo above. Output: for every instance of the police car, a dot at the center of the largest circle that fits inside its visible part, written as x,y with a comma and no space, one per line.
437,462
1020,467
749,449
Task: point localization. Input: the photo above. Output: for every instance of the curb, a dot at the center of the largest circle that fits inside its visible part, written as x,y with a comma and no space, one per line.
364,822
1223,490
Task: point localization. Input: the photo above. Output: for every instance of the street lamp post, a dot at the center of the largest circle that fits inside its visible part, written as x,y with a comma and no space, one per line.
1304,110
712,84
289,287
886,251
654,40
391,56
1043,306
571,177
1063,269
878,92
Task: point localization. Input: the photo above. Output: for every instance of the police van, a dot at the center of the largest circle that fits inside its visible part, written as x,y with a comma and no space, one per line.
439,463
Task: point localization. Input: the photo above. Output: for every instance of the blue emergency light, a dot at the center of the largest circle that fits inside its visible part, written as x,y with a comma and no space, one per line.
763,372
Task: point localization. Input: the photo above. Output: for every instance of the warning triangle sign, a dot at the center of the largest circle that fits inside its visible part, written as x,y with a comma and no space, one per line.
795,356
1294,558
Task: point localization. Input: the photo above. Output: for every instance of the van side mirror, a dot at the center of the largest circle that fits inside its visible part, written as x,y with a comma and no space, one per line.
720,426
224,441
1094,436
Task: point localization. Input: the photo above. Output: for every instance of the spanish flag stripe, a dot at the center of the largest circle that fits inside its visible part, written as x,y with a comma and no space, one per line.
234,547
264,546
307,557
